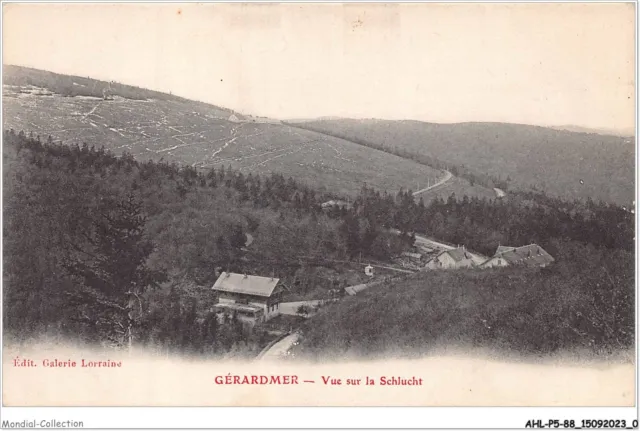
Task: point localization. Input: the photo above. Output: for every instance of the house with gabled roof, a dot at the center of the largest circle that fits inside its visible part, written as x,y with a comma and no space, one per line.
236,117
451,259
250,297
335,203
502,249
531,255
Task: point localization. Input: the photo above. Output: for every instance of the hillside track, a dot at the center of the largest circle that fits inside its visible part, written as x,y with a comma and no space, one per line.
447,176
204,137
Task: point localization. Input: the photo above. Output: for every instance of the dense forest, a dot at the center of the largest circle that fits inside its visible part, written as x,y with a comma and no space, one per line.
516,157
482,225
100,246
107,248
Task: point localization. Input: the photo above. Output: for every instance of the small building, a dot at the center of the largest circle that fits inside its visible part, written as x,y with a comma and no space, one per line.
451,259
236,118
353,290
368,270
411,255
531,255
252,298
335,203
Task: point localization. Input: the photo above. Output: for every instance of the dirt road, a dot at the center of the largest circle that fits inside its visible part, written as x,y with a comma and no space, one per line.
280,349
447,176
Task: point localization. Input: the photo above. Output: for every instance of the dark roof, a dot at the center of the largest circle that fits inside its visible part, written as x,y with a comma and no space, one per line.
502,249
530,255
247,284
459,254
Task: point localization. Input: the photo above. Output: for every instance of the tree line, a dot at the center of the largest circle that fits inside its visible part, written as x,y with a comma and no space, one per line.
483,224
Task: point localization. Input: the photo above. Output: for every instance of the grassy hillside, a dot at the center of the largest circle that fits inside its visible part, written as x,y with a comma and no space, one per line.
585,303
23,78
152,125
561,163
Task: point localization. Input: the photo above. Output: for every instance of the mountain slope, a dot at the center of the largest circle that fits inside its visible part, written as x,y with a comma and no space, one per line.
511,310
562,163
152,125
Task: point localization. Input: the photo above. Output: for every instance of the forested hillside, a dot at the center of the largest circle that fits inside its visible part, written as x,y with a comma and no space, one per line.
87,234
583,304
560,163
109,249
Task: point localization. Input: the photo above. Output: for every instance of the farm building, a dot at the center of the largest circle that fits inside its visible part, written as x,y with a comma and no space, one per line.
353,290
333,203
414,256
502,249
528,255
236,118
252,298
451,259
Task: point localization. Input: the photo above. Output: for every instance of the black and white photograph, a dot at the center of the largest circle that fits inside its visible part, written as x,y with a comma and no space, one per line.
319,204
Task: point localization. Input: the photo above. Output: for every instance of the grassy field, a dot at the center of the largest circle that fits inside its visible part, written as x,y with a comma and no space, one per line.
202,136
566,307
562,163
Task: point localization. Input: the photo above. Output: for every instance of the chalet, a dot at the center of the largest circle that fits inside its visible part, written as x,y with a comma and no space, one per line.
252,298
451,259
335,203
529,255
502,249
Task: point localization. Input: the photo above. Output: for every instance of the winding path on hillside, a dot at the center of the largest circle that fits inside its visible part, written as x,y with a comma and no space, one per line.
447,176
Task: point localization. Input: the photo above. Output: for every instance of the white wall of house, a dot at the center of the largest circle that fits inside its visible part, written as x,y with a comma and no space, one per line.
466,263
445,261
222,300
270,311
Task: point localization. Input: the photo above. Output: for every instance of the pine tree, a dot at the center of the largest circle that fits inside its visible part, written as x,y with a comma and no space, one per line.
112,271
